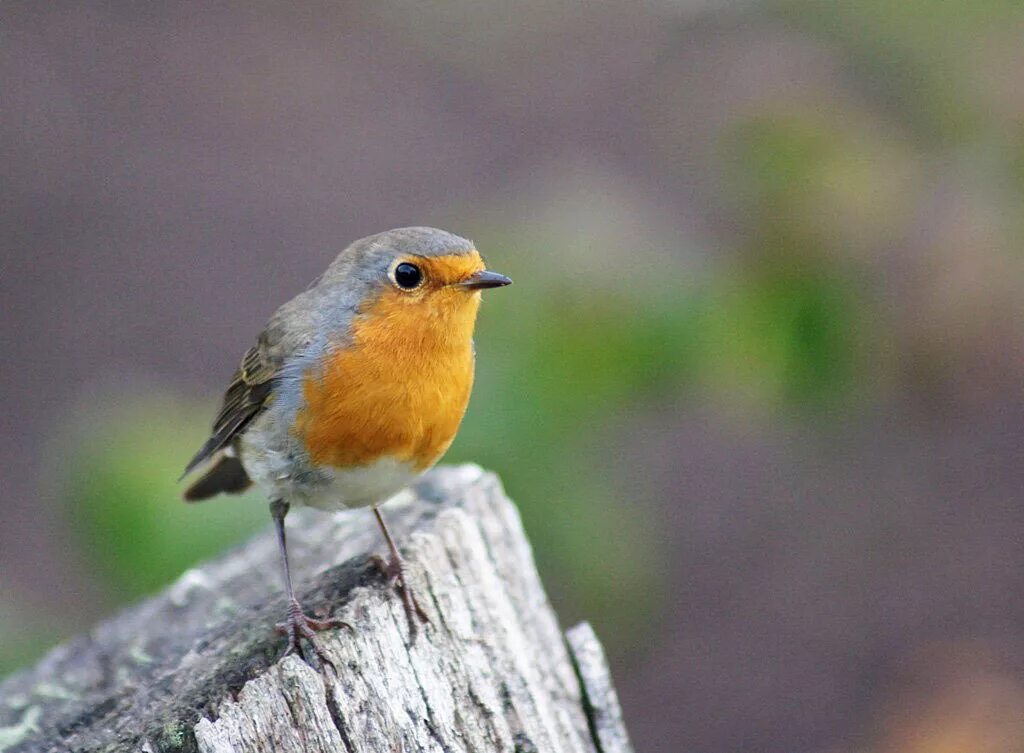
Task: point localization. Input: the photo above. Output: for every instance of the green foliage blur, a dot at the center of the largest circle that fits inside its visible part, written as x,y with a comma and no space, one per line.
123,487
119,465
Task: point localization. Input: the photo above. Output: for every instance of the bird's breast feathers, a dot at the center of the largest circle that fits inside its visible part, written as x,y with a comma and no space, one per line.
398,388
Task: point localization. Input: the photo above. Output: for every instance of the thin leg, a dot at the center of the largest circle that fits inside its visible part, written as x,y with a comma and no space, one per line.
278,509
394,568
298,624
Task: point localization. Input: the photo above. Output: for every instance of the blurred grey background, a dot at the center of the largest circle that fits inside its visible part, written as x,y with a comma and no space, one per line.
757,389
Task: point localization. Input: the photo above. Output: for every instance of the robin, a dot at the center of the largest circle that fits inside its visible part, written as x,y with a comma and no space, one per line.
354,389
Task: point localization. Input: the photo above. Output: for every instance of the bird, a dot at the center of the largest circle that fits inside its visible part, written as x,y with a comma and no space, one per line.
355,388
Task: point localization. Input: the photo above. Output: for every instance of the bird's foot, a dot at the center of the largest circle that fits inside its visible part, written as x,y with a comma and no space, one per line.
298,625
394,570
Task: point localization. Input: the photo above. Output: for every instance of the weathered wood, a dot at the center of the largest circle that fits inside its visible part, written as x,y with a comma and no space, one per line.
195,668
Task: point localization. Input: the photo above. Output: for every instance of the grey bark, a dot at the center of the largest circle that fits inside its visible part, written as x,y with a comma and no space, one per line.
196,668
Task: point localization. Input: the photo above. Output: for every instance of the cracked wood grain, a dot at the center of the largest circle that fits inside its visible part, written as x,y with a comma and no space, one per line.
195,669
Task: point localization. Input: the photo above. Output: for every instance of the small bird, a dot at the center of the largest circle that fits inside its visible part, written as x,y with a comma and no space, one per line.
355,388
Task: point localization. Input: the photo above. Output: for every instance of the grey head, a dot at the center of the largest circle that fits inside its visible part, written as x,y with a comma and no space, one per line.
326,308
370,259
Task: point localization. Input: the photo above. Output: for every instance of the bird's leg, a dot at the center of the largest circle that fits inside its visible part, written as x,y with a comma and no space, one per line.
298,624
394,569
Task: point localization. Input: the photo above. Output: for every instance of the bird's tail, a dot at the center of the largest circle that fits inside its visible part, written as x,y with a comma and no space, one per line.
227,475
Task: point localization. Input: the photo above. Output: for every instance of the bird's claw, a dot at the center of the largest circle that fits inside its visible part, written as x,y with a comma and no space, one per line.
298,625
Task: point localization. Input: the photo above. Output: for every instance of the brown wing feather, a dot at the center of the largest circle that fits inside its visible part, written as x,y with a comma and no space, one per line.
246,396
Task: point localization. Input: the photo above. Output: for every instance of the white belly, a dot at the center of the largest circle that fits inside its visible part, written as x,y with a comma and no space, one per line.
362,486
323,487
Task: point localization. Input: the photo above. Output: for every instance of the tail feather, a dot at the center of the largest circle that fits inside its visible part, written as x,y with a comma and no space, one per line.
227,476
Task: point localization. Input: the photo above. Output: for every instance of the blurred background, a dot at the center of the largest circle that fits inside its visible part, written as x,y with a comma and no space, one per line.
757,389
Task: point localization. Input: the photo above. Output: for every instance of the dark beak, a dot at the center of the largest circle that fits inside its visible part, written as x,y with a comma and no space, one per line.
483,280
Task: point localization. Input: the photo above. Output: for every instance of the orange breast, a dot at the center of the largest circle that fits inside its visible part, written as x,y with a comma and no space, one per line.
400,389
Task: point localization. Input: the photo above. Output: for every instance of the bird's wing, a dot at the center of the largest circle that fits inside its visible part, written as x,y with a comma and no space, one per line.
249,392
290,331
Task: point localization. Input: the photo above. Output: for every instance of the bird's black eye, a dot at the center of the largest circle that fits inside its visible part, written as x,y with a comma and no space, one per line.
408,276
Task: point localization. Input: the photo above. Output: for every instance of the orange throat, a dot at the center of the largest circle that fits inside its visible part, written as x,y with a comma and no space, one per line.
399,388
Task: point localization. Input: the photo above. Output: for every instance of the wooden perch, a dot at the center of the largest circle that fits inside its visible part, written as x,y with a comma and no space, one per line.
196,669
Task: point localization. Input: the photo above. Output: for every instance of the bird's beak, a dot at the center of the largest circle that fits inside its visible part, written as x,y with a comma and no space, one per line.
484,279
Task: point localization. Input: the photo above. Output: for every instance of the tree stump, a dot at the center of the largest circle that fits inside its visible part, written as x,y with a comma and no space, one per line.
196,668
